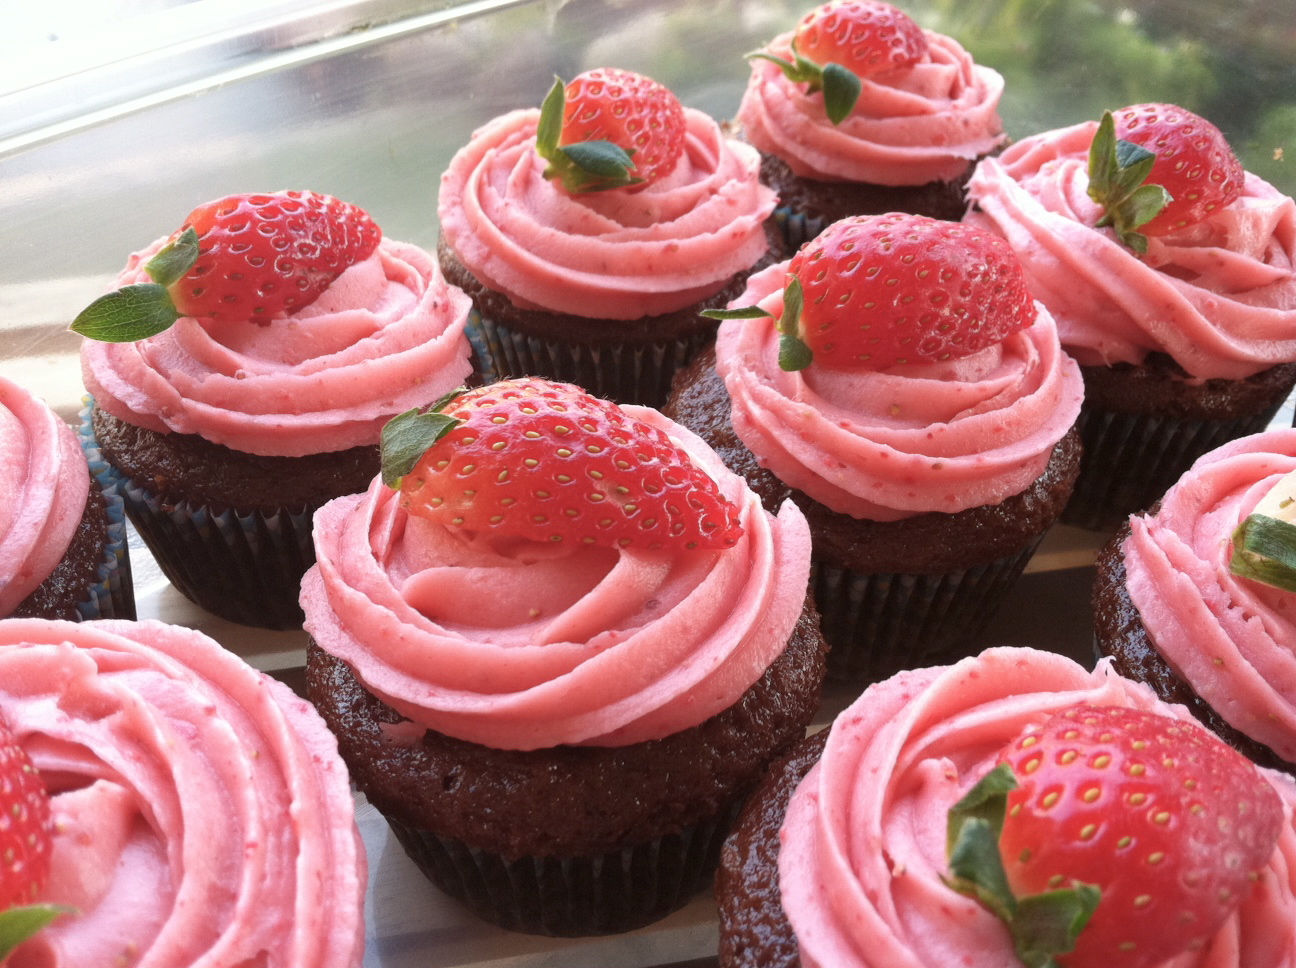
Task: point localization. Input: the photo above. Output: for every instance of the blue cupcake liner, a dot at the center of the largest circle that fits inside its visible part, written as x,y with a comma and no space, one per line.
878,624
607,893
113,593
245,567
797,227
638,373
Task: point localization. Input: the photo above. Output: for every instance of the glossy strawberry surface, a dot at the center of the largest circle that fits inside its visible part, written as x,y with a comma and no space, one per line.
549,462
24,825
1166,820
881,290
864,36
631,111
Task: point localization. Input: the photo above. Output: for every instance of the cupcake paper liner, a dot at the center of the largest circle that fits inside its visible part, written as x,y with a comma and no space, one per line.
573,896
113,594
1131,460
879,624
627,373
797,227
244,567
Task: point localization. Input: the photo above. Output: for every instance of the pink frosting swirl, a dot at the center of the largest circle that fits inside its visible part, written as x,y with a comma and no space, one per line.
888,444
911,125
620,254
386,336
1230,638
202,814
44,483
522,645
1219,296
863,842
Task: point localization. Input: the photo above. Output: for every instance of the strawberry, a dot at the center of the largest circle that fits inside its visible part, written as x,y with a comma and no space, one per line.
25,838
244,257
842,41
1128,837
609,128
1158,168
548,462
874,291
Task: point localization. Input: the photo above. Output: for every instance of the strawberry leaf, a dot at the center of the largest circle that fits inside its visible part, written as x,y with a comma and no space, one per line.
747,312
794,353
169,265
1118,172
1049,923
549,128
1264,550
841,89
17,924
407,437
127,314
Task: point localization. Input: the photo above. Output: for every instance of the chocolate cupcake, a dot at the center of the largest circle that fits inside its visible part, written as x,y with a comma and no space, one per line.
924,113
63,548
840,857
600,284
927,483
1170,611
560,731
1184,345
224,434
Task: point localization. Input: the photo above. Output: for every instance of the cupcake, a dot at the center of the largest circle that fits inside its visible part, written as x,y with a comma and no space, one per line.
1183,322
558,657
200,814
930,448
859,111
1171,609
62,533
260,395
841,857
593,279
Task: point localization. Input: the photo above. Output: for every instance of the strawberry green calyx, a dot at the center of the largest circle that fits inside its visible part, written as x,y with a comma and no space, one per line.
587,166
794,353
18,924
1042,925
407,437
1118,172
840,85
1264,550
145,309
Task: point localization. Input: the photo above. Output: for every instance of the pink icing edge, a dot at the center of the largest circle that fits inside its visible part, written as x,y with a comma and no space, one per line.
654,682
49,498
1112,306
617,255
862,845
186,381
872,469
1229,638
321,925
893,138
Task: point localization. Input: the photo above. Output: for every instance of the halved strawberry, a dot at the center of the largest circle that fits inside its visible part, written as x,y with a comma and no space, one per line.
548,462
25,838
874,291
844,40
1127,837
1158,168
609,128
243,257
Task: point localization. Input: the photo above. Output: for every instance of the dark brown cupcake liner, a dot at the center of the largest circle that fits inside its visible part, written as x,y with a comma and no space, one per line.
113,594
638,373
608,893
879,624
1131,460
244,567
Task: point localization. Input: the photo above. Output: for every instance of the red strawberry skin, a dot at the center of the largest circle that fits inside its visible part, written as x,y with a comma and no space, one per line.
25,830
881,290
864,36
549,462
266,256
633,112
1194,162
1168,822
